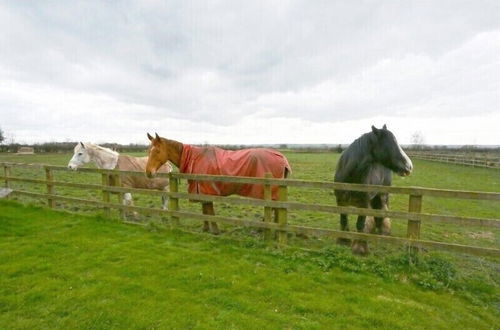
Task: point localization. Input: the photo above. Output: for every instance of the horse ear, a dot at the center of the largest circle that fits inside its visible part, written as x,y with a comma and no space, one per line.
83,146
385,127
157,137
375,130
150,137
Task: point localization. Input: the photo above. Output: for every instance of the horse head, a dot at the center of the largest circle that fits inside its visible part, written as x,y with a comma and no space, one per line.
386,150
80,156
157,155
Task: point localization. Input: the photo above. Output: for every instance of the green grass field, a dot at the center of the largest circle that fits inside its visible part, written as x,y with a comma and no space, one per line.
62,270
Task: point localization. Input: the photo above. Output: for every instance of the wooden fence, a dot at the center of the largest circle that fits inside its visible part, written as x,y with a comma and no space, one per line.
468,159
414,217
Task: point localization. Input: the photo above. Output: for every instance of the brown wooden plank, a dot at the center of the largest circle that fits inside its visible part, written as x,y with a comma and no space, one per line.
147,210
332,233
105,193
6,176
173,202
414,206
290,205
424,217
289,228
117,181
282,214
316,184
50,187
268,211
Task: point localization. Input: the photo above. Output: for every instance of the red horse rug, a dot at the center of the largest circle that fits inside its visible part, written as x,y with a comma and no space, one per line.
254,162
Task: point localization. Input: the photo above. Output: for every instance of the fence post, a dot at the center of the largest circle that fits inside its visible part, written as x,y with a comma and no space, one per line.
50,187
105,193
415,206
6,170
282,214
117,181
173,202
268,211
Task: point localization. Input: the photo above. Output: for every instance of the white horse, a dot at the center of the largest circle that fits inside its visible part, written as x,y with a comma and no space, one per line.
106,158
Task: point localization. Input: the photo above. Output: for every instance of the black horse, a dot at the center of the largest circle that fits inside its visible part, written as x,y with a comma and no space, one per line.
370,159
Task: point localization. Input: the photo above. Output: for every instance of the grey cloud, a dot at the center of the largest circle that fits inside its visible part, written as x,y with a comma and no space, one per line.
217,63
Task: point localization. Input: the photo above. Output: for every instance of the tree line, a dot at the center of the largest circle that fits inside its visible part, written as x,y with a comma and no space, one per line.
67,147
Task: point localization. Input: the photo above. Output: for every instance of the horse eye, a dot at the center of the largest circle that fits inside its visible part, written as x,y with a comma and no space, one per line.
79,154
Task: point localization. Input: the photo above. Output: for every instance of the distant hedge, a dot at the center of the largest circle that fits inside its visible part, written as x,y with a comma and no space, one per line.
67,147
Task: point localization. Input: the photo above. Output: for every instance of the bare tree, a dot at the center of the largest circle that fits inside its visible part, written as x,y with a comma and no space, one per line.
1,136
417,139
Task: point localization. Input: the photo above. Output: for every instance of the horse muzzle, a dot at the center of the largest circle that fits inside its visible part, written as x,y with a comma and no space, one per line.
150,174
405,173
405,168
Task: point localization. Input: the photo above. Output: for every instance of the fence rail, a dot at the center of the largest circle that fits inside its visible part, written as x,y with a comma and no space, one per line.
414,216
483,160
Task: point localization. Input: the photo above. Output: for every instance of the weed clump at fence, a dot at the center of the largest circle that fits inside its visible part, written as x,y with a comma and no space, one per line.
429,271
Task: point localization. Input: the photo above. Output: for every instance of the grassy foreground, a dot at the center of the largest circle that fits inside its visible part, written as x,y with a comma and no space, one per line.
60,270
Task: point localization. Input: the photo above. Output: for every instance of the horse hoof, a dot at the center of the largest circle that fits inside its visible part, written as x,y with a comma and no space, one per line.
360,248
344,241
300,235
214,228
386,227
369,225
134,217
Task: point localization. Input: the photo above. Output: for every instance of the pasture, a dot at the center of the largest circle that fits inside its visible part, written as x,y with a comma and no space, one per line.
315,166
135,274
59,270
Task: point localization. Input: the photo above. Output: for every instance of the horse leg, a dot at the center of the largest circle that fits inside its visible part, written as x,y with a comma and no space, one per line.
164,200
344,225
370,225
127,200
385,227
206,225
123,215
376,203
360,246
208,209
383,224
164,206
134,213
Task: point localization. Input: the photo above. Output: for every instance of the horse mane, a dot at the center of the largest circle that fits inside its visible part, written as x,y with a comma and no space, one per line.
95,147
356,160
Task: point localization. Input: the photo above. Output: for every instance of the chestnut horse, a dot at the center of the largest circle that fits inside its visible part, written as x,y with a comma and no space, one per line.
190,159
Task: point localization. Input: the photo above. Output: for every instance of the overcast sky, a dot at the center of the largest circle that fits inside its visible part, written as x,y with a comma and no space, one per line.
245,72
